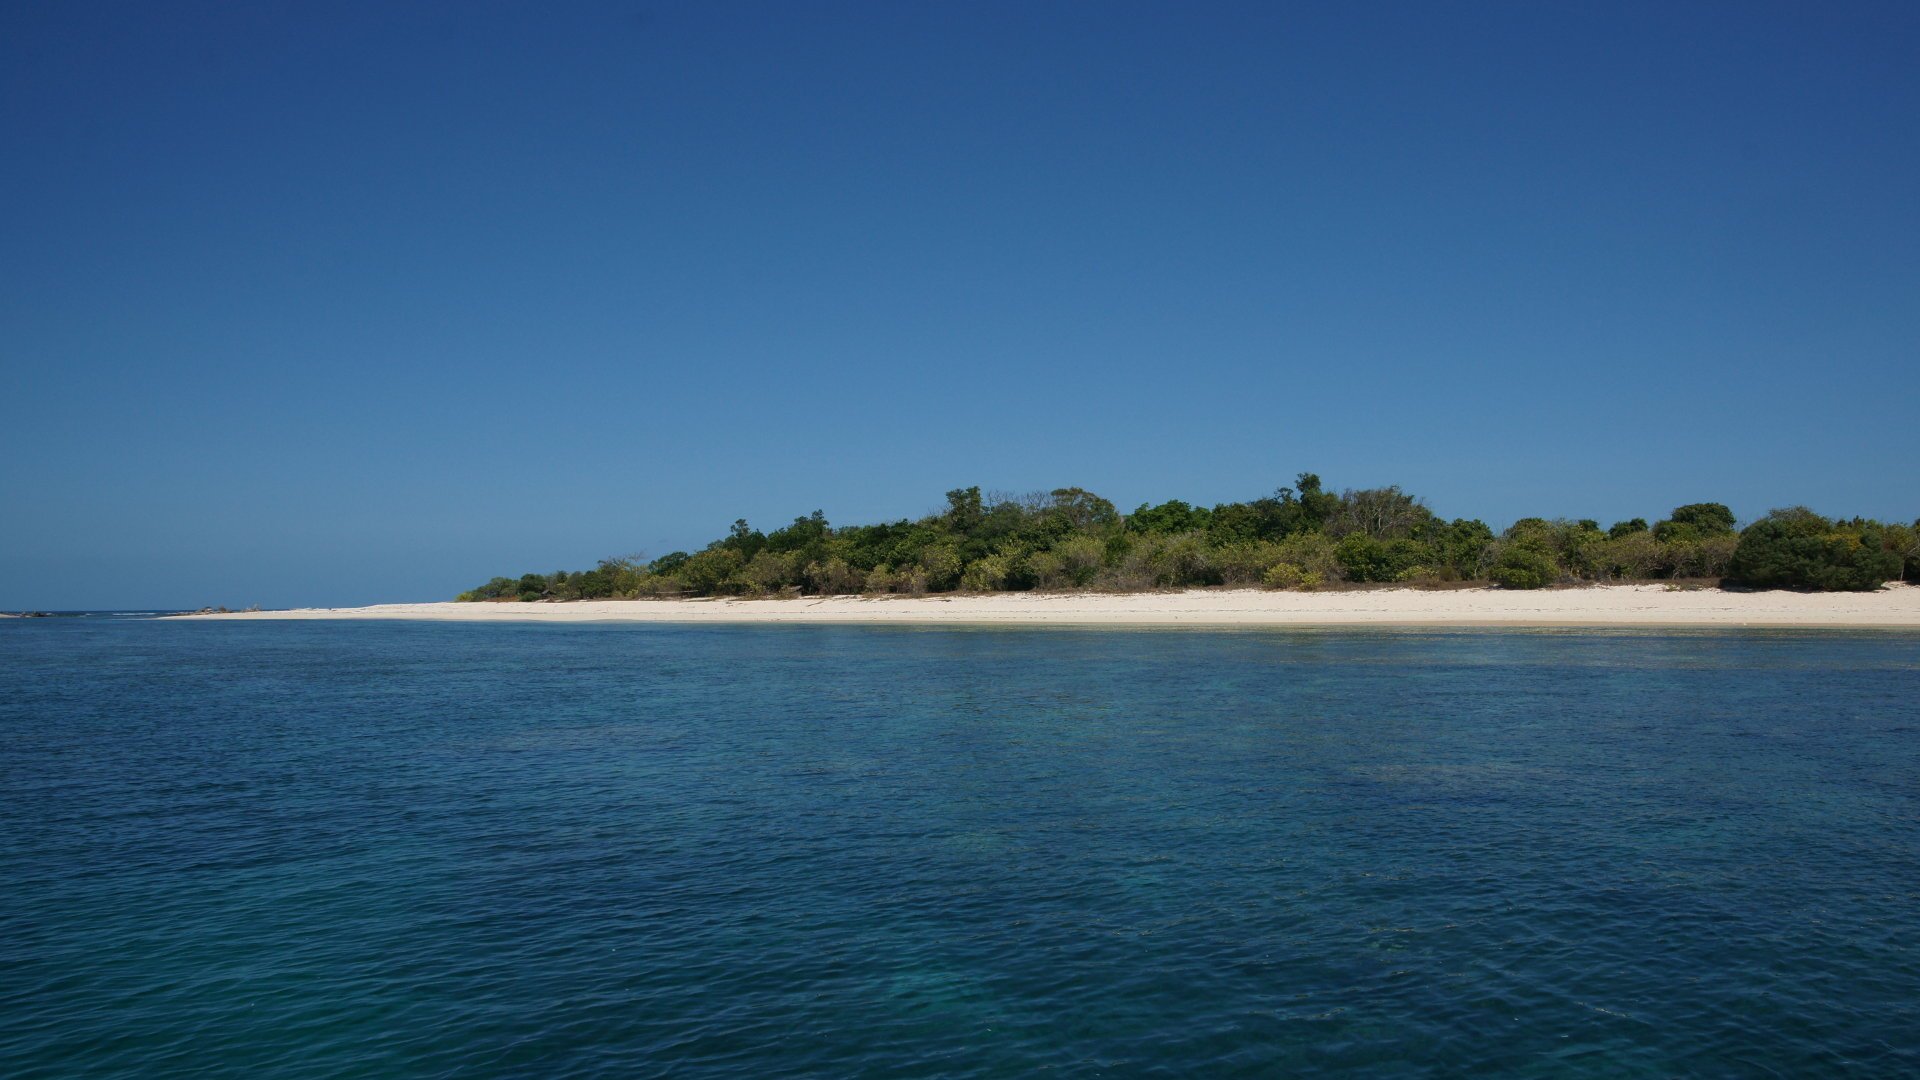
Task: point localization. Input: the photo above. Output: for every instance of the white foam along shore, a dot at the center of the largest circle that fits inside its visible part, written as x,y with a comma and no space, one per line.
1895,607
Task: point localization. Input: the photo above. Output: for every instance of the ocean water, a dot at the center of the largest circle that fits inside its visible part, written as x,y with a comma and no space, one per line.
426,850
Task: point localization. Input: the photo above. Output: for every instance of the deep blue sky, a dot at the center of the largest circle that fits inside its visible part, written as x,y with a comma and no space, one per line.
337,303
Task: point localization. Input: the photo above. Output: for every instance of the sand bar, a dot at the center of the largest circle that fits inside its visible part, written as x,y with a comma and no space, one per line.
1895,607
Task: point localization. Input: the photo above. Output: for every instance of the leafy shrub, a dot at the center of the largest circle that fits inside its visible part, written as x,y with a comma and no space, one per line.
1288,575
1182,560
1363,558
940,566
1459,546
1360,557
986,575
1080,558
1313,553
658,585
1524,566
1132,568
1632,555
1245,563
1045,569
1580,549
766,572
1798,549
1706,556
706,571
833,577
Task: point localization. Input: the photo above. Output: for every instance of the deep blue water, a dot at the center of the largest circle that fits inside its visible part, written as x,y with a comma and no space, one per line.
391,849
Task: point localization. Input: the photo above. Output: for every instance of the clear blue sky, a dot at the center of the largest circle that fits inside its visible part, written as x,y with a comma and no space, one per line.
336,303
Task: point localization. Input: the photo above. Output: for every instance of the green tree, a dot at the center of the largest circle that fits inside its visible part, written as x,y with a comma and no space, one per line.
1382,513
965,510
1316,507
1694,522
1904,541
804,534
1710,518
744,539
1078,510
1172,516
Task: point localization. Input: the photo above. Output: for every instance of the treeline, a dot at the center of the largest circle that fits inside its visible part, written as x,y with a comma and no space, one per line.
1301,537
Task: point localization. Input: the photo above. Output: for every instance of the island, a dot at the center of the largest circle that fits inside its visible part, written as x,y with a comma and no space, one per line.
1304,555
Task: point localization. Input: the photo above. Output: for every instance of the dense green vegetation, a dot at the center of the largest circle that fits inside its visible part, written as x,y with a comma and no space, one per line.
1301,537
1799,549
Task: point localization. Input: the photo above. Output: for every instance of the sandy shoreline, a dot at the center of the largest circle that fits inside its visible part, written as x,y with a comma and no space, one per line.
1896,607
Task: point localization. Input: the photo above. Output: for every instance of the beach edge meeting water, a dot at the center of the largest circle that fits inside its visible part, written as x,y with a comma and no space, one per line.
1896,606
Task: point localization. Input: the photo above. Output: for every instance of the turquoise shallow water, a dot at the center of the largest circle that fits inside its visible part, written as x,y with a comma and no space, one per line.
313,849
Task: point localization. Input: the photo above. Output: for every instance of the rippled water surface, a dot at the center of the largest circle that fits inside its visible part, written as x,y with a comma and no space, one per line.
313,849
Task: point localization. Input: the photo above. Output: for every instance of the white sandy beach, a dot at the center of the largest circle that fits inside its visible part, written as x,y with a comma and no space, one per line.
1897,606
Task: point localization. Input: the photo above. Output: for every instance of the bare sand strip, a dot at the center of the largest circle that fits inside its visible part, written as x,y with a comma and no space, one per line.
1895,607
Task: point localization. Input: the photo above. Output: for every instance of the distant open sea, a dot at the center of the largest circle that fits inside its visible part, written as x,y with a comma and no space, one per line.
439,849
